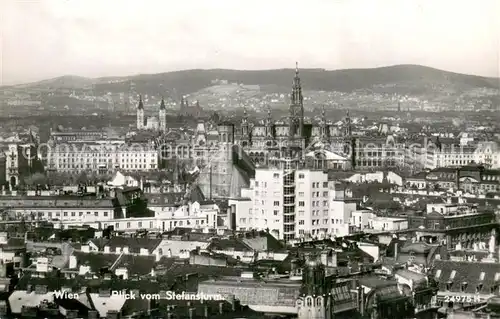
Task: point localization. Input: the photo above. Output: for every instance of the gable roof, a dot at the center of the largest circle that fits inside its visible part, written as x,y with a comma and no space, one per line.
450,275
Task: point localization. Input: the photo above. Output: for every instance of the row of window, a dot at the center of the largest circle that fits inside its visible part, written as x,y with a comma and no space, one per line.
72,214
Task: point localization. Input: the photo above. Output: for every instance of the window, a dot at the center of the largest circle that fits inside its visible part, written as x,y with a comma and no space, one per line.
128,224
301,176
325,184
301,203
301,222
452,275
276,175
481,276
276,203
276,212
438,274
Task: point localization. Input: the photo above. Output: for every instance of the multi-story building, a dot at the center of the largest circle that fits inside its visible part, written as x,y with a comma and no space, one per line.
123,209
472,179
487,154
102,157
453,224
446,153
378,152
293,202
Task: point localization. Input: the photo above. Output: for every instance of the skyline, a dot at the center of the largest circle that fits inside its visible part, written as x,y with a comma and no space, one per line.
122,38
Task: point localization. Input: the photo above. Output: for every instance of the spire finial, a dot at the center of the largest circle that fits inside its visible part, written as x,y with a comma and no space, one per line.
162,104
296,67
141,105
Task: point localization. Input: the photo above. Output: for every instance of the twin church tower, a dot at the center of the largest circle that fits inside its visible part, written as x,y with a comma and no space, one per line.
143,124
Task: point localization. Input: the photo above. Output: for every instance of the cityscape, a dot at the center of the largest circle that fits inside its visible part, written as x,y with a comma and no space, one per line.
294,192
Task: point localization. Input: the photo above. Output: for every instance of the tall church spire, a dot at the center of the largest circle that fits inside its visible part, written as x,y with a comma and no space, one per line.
297,98
140,106
296,124
162,104
348,129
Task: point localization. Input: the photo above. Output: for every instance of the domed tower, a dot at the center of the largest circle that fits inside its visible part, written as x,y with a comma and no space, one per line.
315,301
140,114
162,116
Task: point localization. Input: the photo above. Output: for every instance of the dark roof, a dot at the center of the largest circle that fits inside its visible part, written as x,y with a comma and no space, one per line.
134,244
13,243
137,265
229,244
376,282
95,261
466,272
225,123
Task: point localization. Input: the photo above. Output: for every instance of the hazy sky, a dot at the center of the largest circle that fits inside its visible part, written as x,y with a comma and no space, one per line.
49,38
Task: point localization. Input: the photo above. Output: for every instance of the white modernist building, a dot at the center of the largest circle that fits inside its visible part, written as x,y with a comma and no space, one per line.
316,207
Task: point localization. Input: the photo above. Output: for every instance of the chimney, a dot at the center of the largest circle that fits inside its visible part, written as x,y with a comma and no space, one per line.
492,243
396,247
221,308
232,300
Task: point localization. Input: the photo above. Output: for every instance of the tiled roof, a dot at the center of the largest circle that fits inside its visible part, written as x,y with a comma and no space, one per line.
480,277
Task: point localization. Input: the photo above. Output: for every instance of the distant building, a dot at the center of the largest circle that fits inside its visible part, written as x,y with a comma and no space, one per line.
151,123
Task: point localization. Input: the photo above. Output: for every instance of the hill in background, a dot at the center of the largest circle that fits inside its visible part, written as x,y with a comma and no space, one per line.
402,79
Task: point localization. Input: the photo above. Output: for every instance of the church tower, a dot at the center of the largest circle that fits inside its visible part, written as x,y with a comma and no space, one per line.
315,301
140,114
269,123
349,142
296,107
325,132
162,116
245,130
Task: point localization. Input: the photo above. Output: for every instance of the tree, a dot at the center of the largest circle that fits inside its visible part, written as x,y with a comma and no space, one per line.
59,179
35,179
82,178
